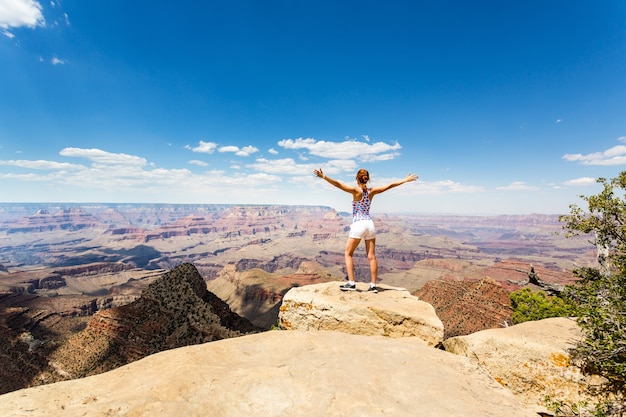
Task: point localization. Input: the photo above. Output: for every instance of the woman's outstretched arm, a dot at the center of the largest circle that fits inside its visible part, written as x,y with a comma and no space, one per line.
334,182
377,190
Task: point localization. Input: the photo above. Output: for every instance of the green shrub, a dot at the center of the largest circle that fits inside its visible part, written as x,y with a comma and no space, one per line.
531,305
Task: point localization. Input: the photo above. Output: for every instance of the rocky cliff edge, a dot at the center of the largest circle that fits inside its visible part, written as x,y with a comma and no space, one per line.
281,373
331,373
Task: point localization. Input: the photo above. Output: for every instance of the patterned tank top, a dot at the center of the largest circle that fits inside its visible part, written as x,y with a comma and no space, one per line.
361,209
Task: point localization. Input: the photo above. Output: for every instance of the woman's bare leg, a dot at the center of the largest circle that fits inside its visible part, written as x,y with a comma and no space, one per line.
351,246
370,247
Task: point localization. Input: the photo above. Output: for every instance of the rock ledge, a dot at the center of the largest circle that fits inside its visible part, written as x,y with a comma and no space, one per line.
392,312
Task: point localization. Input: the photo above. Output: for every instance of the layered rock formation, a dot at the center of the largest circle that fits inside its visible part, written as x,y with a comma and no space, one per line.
74,218
392,312
466,307
211,236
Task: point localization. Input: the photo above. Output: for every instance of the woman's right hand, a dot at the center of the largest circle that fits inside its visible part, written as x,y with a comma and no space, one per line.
411,177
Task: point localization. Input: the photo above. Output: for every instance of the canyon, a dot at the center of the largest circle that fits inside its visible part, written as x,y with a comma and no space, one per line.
67,269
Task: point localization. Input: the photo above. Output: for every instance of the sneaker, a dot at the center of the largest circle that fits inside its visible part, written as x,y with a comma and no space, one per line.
372,289
347,287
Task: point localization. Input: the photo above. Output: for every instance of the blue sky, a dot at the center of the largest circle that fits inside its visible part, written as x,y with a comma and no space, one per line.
501,107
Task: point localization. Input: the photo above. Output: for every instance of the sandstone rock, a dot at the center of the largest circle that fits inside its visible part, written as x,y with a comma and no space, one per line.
531,359
393,312
281,373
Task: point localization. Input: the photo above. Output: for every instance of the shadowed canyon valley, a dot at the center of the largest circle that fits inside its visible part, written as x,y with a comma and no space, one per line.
78,279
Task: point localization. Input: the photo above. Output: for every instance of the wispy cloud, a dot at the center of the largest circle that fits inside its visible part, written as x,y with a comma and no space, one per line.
580,182
446,186
21,13
198,163
41,165
100,157
612,156
517,186
211,147
57,61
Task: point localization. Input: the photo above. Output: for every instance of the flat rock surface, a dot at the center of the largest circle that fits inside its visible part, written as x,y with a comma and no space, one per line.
531,359
281,373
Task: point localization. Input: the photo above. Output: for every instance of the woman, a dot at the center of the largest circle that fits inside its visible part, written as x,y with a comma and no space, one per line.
362,224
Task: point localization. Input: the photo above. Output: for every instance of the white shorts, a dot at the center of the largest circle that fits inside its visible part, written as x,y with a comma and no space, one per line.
363,229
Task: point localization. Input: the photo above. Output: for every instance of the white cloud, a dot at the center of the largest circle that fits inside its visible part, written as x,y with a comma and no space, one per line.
288,166
339,165
581,181
118,176
285,166
517,186
101,157
198,163
381,157
19,13
204,147
57,61
612,156
348,149
24,177
230,148
41,164
248,150
245,151
273,151
8,34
